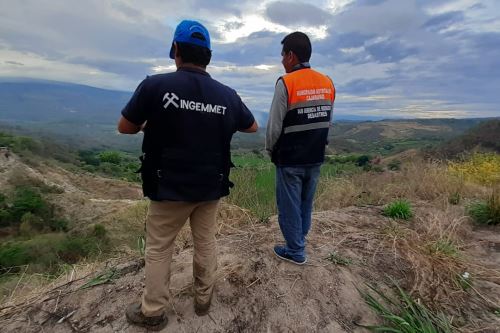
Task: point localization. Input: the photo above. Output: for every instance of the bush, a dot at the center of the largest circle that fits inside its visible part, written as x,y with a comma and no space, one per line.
363,160
394,165
454,198
48,252
399,209
109,156
28,200
486,212
481,168
99,231
58,225
5,217
33,221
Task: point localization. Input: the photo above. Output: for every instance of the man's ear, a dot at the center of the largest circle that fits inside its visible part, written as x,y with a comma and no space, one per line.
176,50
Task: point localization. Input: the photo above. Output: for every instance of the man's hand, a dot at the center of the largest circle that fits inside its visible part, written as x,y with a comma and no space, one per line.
251,129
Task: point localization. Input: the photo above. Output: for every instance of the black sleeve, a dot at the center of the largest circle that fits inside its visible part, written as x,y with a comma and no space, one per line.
137,109
245,117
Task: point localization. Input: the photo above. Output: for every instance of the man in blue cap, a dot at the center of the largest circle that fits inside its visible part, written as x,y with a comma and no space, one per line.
188,120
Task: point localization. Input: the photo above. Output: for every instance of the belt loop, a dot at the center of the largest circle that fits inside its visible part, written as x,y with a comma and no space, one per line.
158,173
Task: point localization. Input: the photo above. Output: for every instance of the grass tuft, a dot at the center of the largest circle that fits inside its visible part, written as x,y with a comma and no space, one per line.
399,209
338,259
402,314
486,212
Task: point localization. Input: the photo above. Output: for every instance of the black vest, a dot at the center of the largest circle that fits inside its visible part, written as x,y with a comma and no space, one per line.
187,137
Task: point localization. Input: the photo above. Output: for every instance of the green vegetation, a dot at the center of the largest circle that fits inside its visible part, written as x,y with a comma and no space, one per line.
27,209
399,209
106,277
47,252
110,163
38,238
443,247
402,314
254,179
486,212
394,165
337,259
19,144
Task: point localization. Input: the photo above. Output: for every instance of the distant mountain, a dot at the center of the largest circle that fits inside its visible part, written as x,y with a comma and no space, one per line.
85,116
46,101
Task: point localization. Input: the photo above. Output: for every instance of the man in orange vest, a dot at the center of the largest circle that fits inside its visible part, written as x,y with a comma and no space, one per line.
296,137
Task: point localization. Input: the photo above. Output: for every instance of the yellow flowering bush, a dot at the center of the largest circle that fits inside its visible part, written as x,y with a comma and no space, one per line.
483,168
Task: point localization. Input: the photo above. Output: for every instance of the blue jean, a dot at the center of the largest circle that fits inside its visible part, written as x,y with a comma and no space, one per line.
295,188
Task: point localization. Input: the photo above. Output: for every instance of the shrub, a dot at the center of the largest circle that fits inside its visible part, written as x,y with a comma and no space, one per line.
481,168
13,254
443,247
31,220
25,229
58,224
5,217
454,198
110,156
28,200
99,231
486,212
394,165
363,160
47,252
399,209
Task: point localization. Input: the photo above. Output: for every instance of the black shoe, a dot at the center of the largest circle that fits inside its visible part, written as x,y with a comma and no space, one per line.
280,252
136,317
201,309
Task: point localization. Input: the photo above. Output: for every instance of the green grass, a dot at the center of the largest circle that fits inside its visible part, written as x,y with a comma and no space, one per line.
399,209
254,178
254,190
486,212
402,314
337,259
443,247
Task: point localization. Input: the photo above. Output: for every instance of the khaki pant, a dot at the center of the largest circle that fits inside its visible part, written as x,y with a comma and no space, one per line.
165,220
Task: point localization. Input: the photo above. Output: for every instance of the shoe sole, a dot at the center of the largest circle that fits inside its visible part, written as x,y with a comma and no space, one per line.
157,327
290,260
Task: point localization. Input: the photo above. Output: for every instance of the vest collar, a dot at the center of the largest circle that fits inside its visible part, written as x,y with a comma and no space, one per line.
302,65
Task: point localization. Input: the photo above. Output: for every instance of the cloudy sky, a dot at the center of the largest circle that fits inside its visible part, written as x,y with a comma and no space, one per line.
388,58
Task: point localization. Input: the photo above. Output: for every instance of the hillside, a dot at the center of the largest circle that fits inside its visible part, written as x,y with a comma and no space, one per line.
393,136
483,137
352,245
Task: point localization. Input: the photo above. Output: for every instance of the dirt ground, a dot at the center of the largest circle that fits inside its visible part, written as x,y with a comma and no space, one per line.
256,292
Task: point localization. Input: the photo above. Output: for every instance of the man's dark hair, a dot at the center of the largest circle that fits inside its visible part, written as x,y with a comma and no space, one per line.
194,54
299,44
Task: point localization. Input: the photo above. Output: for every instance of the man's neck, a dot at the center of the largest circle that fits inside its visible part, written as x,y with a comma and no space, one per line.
193,66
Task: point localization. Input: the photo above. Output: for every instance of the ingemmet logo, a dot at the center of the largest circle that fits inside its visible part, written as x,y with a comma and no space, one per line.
179,103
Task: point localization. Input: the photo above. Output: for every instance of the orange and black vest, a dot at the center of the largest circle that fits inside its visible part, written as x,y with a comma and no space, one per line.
304,133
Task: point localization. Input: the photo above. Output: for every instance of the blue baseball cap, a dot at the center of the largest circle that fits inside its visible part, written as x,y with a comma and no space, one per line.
190,32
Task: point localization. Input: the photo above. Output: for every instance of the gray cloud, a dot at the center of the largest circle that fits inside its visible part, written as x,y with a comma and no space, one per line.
15,63
433,55
442,21
294,14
